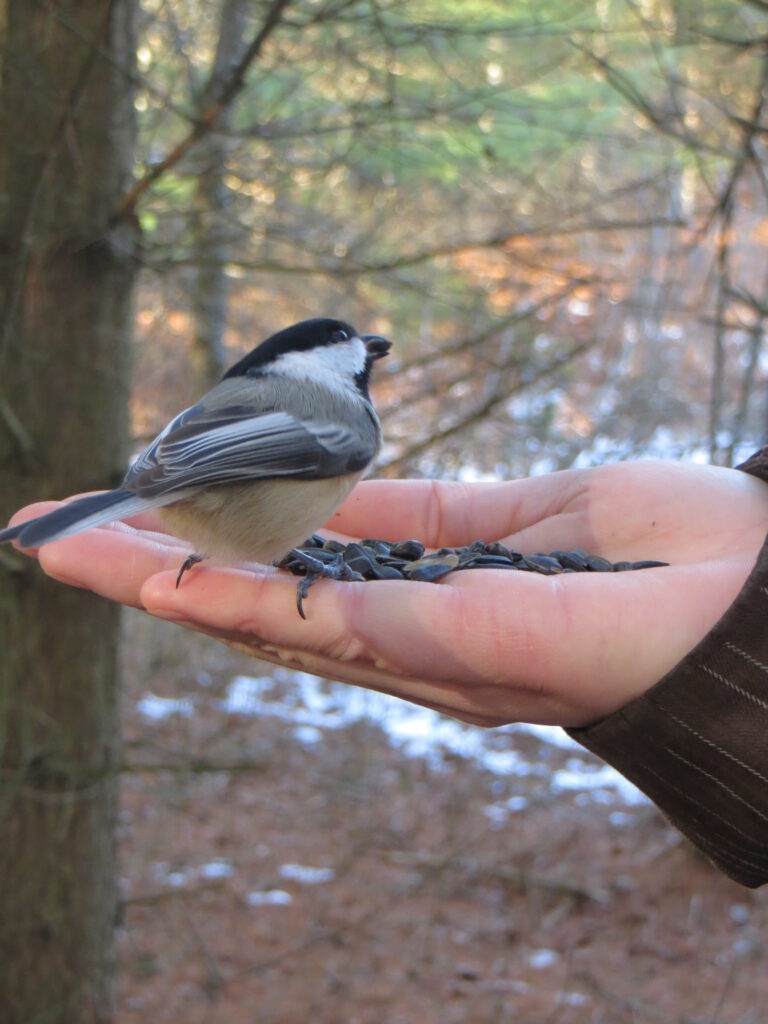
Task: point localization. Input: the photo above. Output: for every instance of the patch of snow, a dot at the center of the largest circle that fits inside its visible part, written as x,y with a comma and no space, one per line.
517,803
216,869
620,819
307,875
543,958
244,694
572,999
740,913
313,706
157,709
308,735
497,814
269,898
178,878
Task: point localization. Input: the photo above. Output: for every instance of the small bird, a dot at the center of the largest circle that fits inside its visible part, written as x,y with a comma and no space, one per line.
259,463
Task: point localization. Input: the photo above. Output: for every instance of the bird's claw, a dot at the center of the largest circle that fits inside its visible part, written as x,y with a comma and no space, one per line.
188,562
317,570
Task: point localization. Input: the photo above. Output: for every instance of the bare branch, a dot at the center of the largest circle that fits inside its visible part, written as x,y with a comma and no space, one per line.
343,268
626,88
520,877
718,367
746,152
517,316
748,379
209,116
483,410
187,765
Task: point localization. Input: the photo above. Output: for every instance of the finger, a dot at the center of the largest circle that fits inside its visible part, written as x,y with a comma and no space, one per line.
151,521
415,691
112,561
441,512
467,646
427,643
502,646
257,613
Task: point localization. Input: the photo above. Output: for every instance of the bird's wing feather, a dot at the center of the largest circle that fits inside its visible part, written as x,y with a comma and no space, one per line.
227,445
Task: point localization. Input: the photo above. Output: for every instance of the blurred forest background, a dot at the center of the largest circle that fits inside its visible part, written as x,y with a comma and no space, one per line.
557,210
559,213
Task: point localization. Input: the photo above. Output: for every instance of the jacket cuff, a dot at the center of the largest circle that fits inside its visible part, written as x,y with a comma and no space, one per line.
696,743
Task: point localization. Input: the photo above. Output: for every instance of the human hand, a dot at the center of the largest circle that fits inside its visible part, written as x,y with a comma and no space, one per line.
484,646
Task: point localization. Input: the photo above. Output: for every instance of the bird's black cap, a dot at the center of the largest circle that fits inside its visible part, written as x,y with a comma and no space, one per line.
301,337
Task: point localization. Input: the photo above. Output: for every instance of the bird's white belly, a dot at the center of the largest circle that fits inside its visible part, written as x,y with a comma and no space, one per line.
256,522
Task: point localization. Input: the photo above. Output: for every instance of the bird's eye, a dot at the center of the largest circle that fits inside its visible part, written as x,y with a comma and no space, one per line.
340,336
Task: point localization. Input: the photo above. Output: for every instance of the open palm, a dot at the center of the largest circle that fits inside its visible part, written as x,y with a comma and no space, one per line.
485,646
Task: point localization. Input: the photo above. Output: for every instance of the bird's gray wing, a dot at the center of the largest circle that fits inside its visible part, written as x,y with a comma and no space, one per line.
205,446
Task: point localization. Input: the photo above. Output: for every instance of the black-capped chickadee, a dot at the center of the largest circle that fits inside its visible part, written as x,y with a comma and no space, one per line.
260,462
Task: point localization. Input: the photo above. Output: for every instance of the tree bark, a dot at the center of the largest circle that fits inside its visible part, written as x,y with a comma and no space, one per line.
67,129
212,232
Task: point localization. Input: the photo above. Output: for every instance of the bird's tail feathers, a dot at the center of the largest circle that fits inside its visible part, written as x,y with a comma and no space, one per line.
10,533
81,514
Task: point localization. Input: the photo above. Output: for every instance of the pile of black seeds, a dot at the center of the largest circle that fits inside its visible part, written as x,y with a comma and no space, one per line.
406,560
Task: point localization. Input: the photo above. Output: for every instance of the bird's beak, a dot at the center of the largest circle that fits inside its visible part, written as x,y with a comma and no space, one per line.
376,345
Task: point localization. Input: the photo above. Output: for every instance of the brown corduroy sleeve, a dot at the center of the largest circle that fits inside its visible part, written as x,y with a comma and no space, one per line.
697,742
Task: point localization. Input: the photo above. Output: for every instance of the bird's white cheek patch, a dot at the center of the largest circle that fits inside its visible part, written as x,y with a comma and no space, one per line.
331,366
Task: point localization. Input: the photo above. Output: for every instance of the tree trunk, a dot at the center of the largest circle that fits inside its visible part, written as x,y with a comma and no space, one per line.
67,129
211,227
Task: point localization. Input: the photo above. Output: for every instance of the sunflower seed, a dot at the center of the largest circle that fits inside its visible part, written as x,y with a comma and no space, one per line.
408,549
335,546
384,572
497,548
373,559
597,563
429,572
544,563
576,559
431,567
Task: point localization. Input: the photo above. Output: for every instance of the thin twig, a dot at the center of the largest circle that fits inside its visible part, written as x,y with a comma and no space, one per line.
746,152
214,980
521,877
718,367
343,268
480,412
148,899
193,766
748,378
208,117
455,348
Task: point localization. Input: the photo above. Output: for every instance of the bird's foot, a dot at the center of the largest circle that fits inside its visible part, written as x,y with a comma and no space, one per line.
332,569
189,561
